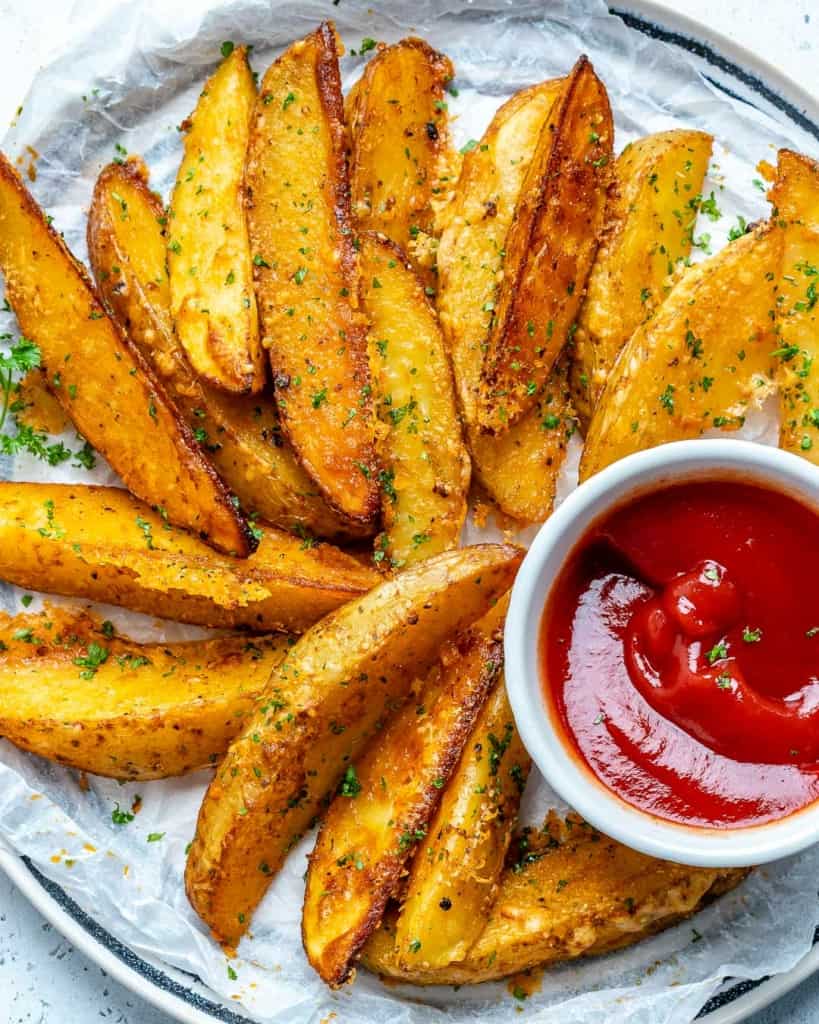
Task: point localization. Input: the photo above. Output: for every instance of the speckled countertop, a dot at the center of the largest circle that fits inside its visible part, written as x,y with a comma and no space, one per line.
43,979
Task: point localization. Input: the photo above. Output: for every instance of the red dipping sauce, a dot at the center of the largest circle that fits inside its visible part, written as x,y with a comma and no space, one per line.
680,653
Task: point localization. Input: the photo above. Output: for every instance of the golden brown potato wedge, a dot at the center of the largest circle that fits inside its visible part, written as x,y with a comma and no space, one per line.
100,543
307,278
425,467
474,226
795,195
649,228
518,468
549,249
400,148
241,433
102,382
701,362
455,872
212,299
385,803
569,892
320,708
76,693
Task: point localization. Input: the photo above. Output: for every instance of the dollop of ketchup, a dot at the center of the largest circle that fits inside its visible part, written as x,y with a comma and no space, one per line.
681,653
669,665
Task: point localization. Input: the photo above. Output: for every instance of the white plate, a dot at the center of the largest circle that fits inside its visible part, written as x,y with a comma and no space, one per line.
737,72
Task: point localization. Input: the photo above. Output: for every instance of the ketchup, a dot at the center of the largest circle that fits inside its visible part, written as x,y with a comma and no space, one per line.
680,653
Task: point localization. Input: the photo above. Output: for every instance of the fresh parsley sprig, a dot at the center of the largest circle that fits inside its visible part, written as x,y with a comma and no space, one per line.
17,361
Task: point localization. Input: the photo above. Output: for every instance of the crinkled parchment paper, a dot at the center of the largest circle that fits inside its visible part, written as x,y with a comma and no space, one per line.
128,76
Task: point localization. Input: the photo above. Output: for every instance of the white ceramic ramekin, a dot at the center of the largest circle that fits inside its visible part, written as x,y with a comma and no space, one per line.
543,735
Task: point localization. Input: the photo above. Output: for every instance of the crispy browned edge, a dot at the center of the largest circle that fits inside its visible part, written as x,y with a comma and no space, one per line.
247,542
385,883
328,78
556,156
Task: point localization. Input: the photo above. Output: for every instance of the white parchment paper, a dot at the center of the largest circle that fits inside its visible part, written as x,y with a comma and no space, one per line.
126,76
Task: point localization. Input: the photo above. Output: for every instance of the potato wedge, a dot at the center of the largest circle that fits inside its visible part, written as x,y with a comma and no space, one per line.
518,468
307,278
385,804
795,195
78,694
455,872
241,433
649,224
400,146
474,226
211,276
702,362
549,249
102,544
102,382
319,710
564,895
425,467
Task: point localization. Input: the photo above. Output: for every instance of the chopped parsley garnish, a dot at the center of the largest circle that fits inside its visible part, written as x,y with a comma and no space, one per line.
120,817
717,652
94,657
350,786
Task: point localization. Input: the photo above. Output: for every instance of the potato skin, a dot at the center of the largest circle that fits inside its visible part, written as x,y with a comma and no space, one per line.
519,467
421,449
701,362
105,386
306,273
148,711
241,433
649,226
401,158
549,249
322,705
357,862
100,543
795,194
568,892
211,275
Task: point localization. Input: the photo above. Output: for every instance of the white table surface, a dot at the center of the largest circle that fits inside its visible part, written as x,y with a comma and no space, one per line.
43,979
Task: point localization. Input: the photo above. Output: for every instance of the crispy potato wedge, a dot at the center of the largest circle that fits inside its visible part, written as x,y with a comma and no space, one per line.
400,147
701,362
518,468
549,249
474,226
320,708
307,278
102,382
385,804
78,694
241,433
565,895
211,276
649,223
455,872
425,466
100,543
795,195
